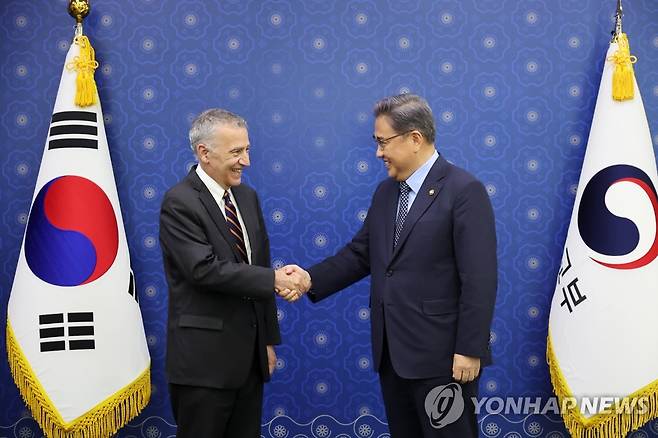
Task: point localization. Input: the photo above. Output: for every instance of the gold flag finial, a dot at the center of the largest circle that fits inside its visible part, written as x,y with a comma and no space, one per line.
79,9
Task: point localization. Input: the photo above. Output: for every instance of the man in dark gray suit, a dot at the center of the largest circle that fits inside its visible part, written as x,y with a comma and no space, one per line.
222,316
429,245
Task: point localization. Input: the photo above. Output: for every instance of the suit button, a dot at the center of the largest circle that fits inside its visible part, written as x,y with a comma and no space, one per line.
389,273
253,325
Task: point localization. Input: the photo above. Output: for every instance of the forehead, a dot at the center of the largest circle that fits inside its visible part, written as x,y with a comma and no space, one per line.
383,126
230,136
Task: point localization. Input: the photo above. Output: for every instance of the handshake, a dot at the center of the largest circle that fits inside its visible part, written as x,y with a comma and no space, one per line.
291,282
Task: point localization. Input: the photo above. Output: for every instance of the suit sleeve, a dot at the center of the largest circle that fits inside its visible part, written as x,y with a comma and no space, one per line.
349,265
272,332
188,252
474,237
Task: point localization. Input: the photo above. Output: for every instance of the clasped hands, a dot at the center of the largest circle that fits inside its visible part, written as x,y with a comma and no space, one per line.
291,282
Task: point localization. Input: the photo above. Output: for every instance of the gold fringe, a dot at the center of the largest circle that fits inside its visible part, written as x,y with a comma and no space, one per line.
85,64
102,421
617,421
623,78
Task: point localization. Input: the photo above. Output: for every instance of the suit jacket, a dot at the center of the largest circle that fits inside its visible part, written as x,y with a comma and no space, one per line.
433,295
219,309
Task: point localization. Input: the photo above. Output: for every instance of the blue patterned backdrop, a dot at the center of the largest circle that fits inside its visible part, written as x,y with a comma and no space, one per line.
512,83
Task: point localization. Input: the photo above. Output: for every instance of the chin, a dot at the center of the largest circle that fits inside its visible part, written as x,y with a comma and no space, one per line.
233,182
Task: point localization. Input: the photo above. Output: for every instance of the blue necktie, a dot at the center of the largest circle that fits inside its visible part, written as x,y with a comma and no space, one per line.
234,227
402,211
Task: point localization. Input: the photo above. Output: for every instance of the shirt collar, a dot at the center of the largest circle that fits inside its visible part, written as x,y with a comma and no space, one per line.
214,187
417,178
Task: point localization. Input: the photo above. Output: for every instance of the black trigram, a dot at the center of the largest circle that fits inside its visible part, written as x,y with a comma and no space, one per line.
131,287
80,130
77,332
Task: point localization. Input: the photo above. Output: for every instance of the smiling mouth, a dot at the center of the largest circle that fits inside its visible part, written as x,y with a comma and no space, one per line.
237,170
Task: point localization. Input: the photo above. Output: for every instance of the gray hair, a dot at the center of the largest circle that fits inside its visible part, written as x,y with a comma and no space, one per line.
203,126
408,112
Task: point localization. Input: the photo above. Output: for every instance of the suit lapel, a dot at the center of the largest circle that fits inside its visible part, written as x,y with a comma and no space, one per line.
213,210
428,192
390,211
249,217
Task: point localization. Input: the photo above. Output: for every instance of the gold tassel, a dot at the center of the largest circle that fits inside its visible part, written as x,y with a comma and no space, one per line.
623,78
85,64
617,421
102,421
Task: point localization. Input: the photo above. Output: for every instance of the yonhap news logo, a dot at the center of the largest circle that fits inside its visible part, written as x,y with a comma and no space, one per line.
444,405
591,405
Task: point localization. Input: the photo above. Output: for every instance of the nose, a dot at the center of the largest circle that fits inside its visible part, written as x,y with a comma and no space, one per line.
379,153
244,160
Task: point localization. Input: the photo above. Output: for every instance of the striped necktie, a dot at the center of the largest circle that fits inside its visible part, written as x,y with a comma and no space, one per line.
402,211
234,227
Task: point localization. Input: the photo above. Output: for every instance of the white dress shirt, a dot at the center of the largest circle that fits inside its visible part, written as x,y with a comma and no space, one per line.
416,180
217,193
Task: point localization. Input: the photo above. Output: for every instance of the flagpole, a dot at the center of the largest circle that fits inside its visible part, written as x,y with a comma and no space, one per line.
618,15
623,77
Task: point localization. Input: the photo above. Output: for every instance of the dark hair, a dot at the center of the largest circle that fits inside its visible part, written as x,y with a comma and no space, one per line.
408,112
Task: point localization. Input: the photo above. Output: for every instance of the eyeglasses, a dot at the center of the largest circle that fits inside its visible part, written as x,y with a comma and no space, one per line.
382,142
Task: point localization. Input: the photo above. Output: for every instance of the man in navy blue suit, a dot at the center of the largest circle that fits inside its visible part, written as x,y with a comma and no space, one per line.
429,244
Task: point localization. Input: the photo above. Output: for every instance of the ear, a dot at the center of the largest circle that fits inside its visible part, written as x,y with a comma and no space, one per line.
417,139
202,152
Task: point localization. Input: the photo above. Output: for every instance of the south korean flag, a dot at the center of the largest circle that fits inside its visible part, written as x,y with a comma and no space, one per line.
75,337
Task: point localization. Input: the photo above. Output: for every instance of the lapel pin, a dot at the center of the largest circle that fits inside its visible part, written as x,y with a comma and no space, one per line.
431,192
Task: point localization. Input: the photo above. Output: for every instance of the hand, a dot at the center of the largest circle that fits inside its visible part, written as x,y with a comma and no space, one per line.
287,286
291,282
465,368
305,276
271,358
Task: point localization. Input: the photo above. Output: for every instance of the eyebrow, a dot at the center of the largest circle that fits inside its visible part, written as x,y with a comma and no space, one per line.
237,148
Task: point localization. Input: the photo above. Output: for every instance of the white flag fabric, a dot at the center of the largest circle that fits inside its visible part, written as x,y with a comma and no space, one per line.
75,337
602,345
